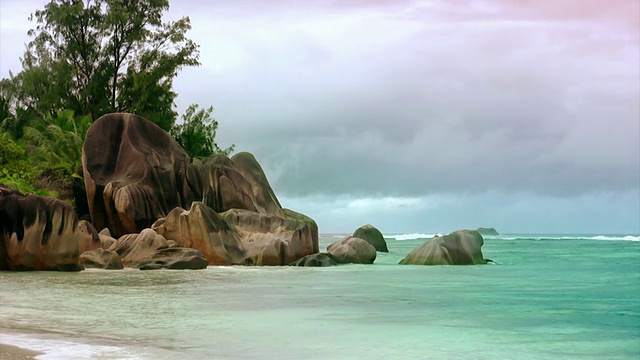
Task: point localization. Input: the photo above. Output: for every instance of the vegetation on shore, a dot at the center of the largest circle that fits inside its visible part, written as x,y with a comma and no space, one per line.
87,59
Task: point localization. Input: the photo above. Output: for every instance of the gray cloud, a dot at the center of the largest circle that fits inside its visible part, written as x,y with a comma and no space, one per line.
427,107
476,102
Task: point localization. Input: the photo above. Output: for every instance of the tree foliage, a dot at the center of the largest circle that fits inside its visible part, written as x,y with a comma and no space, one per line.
103,56
197,133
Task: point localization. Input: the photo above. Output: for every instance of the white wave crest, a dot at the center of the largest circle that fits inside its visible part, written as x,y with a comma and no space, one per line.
577,237
413,236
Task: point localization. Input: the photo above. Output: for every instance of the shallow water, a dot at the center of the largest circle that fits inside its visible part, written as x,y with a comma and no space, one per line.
575,297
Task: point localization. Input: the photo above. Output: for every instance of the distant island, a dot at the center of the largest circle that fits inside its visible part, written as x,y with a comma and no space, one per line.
488,231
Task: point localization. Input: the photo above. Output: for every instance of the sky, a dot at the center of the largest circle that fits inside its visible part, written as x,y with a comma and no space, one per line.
421,116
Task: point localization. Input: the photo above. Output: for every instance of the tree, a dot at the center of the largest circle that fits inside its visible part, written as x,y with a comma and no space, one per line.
103,56
197,133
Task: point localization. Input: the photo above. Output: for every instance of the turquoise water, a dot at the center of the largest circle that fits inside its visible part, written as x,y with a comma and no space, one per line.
547,297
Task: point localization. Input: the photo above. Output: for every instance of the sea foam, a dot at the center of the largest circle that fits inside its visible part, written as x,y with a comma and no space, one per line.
413,236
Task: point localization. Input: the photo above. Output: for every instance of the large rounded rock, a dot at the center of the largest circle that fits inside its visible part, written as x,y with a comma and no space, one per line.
37,233
203,229
136,174
352,250
274,239
373,236
101,259
462,247
133,173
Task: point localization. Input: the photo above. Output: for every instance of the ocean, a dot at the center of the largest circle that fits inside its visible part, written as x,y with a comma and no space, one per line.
546,297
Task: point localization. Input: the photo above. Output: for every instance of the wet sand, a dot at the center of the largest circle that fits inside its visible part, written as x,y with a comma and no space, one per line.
10,352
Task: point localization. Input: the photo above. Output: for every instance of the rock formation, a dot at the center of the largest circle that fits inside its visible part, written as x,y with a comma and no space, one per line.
461,247
373,236
149,250
88,237
352,250
101,259
136,174
316,260
37,233
203,229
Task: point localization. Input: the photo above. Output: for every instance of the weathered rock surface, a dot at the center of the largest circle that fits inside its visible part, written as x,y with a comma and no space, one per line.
101,259
203,229
175,258
488,231
149,250
352,250
132,173
37,233
106,241
136,174
316,260
88,237
274,239
462,247
373,236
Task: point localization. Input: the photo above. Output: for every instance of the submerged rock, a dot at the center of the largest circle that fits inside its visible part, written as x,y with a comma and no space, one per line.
373,236
352,250
175,258
316,260
37,233
462,247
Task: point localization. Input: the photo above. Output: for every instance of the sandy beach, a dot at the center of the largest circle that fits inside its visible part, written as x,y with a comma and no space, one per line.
10,352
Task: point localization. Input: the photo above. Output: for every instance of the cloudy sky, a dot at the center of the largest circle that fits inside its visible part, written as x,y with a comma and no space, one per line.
422,116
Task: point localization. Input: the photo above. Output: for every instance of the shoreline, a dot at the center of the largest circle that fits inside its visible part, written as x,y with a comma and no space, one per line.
12,352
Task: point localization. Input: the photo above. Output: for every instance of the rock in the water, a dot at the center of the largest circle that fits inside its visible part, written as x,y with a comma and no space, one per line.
274,239
203,229
37,233
101,259
316,260
488,231
176,258
151,251
373,236
88,237
136,174
352,250
462,247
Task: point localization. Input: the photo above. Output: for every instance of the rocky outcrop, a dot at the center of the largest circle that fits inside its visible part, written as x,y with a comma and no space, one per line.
461,247
101,259
136,174
37,233
316,260
203,229
352,250
149,250
274,239
488,231
373,236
